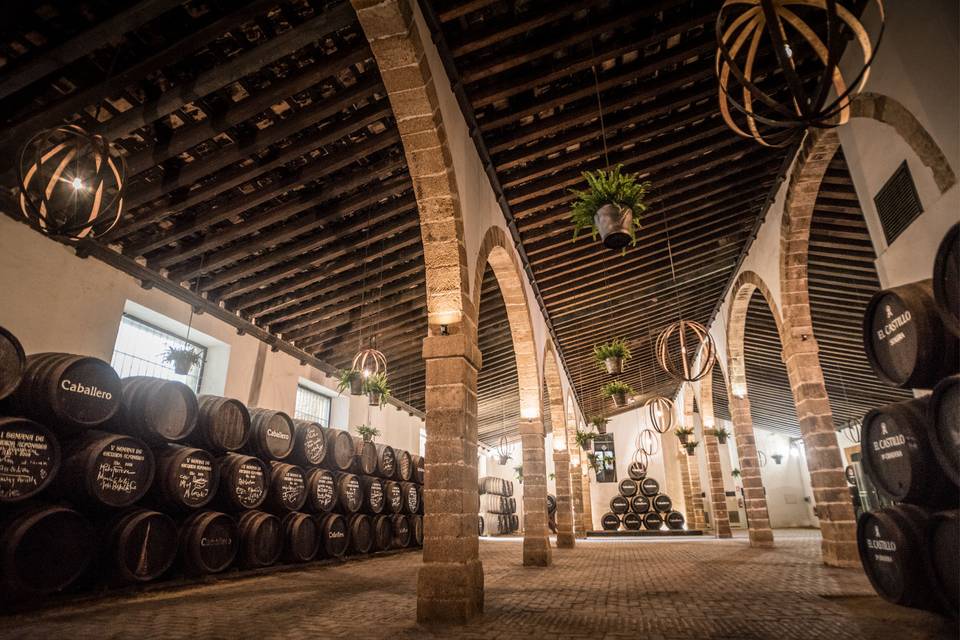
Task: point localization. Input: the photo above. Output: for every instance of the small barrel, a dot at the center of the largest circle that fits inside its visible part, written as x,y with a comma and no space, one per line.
156,411
140,545
514,523
301,537
649,487
334,535
411,497
223,425
244,482
662,503
386,461
350,493
551,504
674,520
489,502
309,443
416,524
402,533
43,549
480,526
29,459
271,435
640,504
288,487
374,499
261,539
105,470
628,488
364,458
898,457
209,542
632,521
12,363
946,278
393,496
619,505
943,559
382,533
943,426
361,533
67,393
652,521
418,471
339,450
186,478
905,338
610,522
637,471
321,491
404,471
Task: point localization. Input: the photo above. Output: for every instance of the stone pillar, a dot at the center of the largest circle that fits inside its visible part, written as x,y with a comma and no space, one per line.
687,490
698,513
587,516
575,484
536,540
718,497
754,497
450,582
565,535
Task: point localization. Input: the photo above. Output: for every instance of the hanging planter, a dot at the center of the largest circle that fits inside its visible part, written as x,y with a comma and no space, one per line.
350,379
611,355
721,434
691,447
377,389
777,457
617,391
683,433
593,462
735,473
367,432
660,411
600,424
585,439
183,359
609,207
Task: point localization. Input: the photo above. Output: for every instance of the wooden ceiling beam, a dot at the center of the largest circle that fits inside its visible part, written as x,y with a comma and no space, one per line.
497,33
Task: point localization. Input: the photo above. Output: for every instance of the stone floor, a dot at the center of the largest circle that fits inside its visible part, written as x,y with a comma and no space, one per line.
603,589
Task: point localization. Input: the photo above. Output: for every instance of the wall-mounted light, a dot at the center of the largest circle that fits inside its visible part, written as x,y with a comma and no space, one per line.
777,457
444,331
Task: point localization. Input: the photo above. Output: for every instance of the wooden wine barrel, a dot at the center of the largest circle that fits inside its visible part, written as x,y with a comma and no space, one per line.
261,539
12,363
43,549
652,521
29,459
105,470
271,435
480,527
619,505
610,522
140,545
404,470
632,521
339,450
943,559
156,411
288,487
386,461
244,482
67,393
186,478
334,535
946,278
321,490
898,457
361,533
374,499
223,425
551,504
514,523
662,503
301,537
637,471
674,520
411,498
350,492
209,542
649,487
418,470
364,458
394,496
489,502
905,338
402,533
416,526
628,488
309,443
943,426
640,504
382,533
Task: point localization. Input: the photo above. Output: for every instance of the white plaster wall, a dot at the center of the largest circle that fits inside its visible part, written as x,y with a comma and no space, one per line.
784,483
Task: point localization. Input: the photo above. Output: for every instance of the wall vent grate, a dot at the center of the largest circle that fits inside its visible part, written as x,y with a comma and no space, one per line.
898,203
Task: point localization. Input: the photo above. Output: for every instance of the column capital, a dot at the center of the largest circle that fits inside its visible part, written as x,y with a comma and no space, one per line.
453,346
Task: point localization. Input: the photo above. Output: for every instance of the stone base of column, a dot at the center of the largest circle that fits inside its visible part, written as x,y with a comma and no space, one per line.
536,552
761,538
565,541
450,593
840,554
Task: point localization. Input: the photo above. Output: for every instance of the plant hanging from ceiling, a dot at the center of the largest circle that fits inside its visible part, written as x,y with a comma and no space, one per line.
600,424
377,389
593,461
683,433
720,433
183,359
617,391
735,473
691,446
611,355
610,206
350,379
585,439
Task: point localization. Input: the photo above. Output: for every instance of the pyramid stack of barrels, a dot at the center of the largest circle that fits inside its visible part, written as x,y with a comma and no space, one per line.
498,507
640,505
911,449
107,482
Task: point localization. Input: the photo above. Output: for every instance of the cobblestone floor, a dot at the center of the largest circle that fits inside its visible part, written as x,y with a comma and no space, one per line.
603,589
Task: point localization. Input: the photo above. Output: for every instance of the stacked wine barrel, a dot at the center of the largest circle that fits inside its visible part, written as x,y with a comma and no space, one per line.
128,481
640,505
498,507
911,449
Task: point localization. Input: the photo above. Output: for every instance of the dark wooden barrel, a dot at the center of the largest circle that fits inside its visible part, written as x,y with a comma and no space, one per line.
514,523
551,504
404,470
155,410
223,425
361,533
382,533
662,503
105,470
416,524
29,459
637,471
946,278
640,504
209,542
288,487
350,493
321,490
674,520
261,539
301,537
905,338
628,488
411,497
649,487
480,525
309,443
339,450
140,545
619,505
43,549
610,522
394,496
652,520
12,363
334,535
244,482
898,457
364,458
418,471
66,392
386,461
632,521
186,478
943,559
374,499
489,502
943,426
402,533
271,435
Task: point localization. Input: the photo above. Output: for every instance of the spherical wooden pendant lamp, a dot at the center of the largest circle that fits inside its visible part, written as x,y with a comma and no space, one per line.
791,30
71,183
660,411
371,360
648,442
678,347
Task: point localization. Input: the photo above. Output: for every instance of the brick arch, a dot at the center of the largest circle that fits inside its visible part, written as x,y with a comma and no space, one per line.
747,282
561,446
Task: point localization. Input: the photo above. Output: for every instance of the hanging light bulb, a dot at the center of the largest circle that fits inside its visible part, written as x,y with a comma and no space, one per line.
660,410
370,361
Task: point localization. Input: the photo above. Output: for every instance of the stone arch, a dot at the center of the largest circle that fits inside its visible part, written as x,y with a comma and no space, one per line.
561,446
747,282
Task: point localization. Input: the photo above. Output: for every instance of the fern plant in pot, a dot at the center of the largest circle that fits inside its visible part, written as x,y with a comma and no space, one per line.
618,391
721,434
610,206
683,433
377,389
350,379
600,424
593,461
611,355
585,439
691,446
183,359
367,432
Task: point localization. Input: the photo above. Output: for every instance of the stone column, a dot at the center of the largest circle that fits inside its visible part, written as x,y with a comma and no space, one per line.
575,484
561,463
718,497
754,497
536,541
587,516
450,582
698,513
687,490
